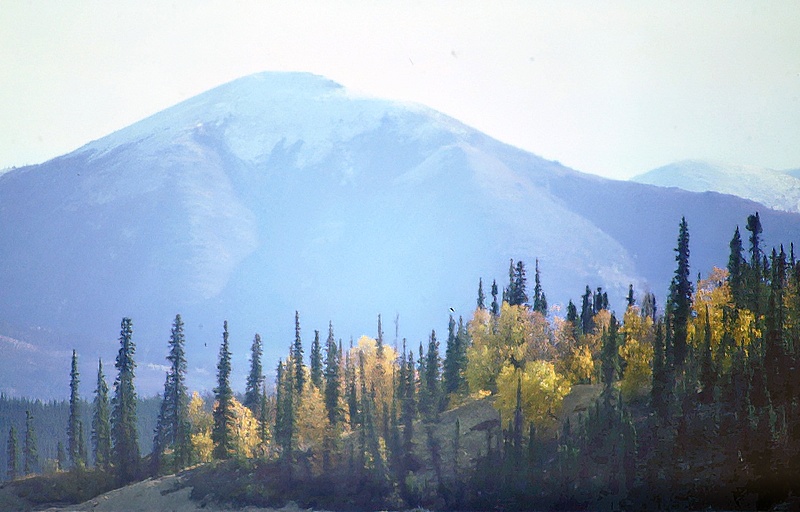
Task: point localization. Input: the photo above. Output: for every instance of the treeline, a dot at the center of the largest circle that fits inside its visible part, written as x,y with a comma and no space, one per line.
687,406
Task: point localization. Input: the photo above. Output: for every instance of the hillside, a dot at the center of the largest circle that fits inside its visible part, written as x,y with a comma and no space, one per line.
774,189
280,192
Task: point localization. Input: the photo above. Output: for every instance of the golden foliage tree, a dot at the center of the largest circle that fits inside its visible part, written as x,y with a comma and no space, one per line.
542,392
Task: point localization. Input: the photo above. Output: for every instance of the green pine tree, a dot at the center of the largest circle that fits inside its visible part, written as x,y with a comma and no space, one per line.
221,433
316,360
30,452
73,439
299,376
481,296
123,414
539,298
332,379
11,451
680,297
101,423
255,379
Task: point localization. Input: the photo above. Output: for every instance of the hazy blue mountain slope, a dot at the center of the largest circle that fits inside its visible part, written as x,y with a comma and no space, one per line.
283,192
775,189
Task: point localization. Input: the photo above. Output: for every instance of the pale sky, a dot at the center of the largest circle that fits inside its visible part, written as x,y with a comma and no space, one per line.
610,88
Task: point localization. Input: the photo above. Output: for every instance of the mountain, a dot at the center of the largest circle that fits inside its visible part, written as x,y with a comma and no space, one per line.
774,189
285,191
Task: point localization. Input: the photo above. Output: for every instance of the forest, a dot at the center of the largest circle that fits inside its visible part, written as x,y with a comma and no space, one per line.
690,405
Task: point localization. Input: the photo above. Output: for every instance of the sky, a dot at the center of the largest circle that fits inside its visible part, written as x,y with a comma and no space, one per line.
610,88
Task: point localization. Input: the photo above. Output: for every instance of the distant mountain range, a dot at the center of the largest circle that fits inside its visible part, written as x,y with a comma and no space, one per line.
285,191
775,189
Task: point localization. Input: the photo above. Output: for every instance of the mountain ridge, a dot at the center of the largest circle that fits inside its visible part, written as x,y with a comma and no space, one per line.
253,200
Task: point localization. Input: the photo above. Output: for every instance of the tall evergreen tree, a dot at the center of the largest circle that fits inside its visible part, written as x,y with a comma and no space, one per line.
11,452
658,392
299,376
30,453
495,304
222,432
332,379
123,415
587,311
101,425
631,300
316,359
481,297
74,421
255,379
539,298
432,380
175,403
737,269
681,296
449,376
609,358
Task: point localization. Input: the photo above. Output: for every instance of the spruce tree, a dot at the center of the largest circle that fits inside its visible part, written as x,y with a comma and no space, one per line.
174,405
587,311
495,304
255,379
332,379
299,376
609,358
61,456
101,426
481,297
11,452
221,433
658,392
520,297
73,424
123,415
630,299
433,382
29,451
737,269
451,370
539,298
681,296
316,359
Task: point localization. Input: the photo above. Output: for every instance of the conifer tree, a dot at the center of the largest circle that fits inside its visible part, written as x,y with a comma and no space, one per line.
284,416
495,304
255,379
316,360
539,298
737,268
455,358
30,453
263,417
61,457
408,407
573,319
658,393
379,341
587,311
299,376
630,299
101,426
433,381
222,434
174,405
707,372
11,452
481,297
610,358
74,421
681,296
123,415
332,379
